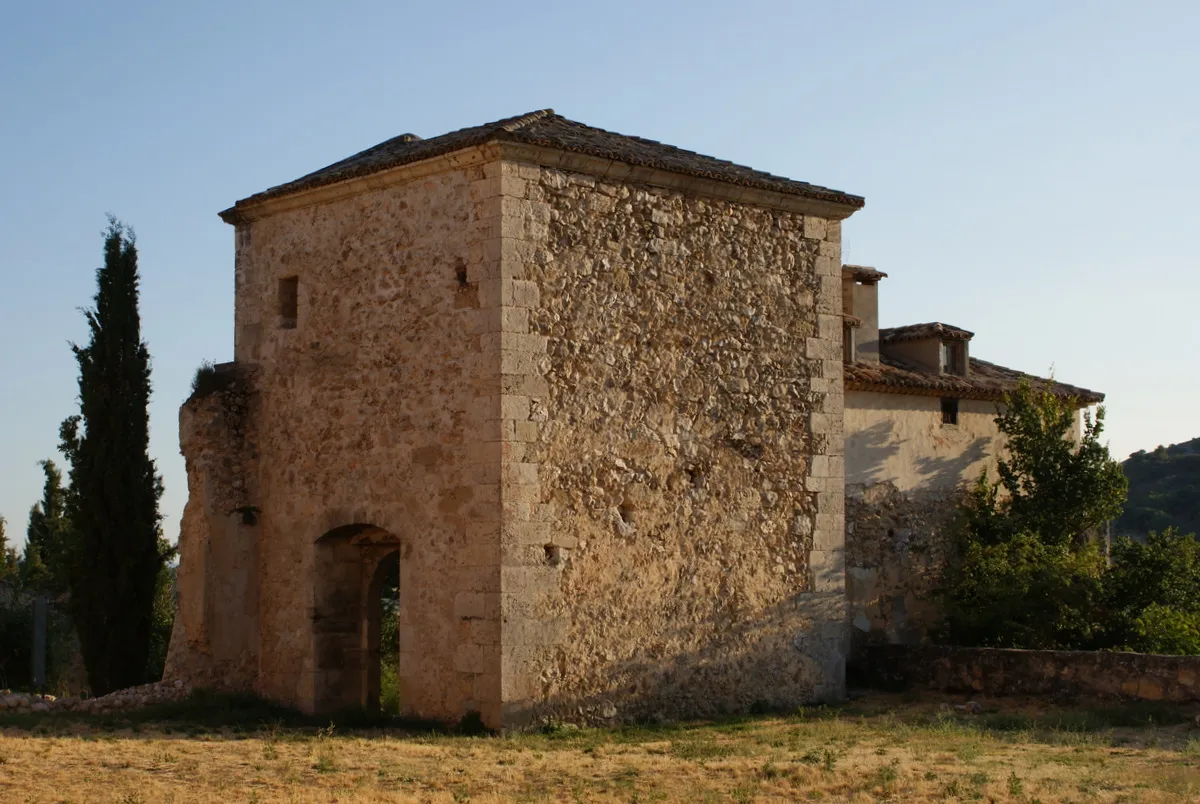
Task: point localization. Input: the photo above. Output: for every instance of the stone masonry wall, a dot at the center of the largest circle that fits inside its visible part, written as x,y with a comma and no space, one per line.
214,643
896,547
906,474
990,671
672,482
375,409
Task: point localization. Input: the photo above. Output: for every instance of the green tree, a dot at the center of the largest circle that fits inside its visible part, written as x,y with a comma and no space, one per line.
8,557
1152,594
44,562
114,556
1054,486
1026,574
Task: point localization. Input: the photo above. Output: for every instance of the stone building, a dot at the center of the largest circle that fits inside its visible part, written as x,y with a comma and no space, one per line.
920,426
586,389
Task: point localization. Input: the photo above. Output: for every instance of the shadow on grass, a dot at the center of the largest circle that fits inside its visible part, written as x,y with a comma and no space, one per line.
240,716
204,712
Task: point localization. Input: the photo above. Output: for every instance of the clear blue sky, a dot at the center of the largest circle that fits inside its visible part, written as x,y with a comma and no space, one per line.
1030,168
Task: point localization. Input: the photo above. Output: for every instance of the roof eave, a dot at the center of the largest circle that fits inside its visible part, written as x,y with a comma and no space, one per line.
811,201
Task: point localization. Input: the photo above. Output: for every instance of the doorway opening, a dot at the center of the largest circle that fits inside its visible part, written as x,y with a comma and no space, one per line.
386,598
357,568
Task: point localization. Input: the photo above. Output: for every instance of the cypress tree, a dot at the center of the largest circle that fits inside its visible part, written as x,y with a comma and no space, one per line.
43,565
114,556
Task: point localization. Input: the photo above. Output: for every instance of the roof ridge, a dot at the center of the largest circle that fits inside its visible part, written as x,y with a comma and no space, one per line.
546,128
513,123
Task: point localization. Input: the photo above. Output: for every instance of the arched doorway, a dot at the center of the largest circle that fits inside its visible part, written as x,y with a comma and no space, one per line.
352,565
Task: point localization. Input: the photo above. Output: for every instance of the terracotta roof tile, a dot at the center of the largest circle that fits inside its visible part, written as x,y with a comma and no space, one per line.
545,128
916,332
985,381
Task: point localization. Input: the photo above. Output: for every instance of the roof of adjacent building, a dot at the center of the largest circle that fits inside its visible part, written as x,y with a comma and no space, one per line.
984,381
863,273
547,129
917,332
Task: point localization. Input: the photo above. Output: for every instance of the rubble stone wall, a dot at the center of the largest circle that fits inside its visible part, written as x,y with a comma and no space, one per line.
906,473
673,535
371,410
214,643
992,671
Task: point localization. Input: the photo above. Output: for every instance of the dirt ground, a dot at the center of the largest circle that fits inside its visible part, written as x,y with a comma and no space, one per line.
876,748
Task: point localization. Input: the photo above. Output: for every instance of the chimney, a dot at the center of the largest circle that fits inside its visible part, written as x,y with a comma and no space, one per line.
860,302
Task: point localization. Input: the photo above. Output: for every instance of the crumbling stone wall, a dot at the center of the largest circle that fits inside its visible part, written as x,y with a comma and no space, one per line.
674,520
214,643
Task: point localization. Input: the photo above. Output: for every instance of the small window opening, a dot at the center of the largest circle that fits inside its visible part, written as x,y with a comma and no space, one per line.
289,301
949,411
954,357
848,345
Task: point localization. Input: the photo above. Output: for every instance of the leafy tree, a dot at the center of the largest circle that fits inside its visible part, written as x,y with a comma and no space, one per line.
1026,575
114,555
163,619
44,562
1152,594
1055,487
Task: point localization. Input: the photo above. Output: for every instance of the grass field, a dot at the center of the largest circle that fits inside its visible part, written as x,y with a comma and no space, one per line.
877,748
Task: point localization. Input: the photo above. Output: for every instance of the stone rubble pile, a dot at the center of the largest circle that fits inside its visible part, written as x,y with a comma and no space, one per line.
121,700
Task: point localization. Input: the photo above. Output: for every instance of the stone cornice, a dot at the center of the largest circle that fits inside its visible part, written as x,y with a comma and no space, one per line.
606,169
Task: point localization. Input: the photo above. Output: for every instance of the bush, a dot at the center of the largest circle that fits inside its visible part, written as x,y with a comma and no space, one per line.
1163,629
1023,593
1152,594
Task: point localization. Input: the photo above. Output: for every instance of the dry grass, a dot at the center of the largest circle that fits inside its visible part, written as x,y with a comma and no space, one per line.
879,748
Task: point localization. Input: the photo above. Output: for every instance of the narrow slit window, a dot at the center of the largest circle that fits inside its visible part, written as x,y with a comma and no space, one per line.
289,301
848,345
949,411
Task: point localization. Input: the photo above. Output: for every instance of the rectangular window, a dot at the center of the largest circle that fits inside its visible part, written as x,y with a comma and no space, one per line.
949,411
289,301
848,354
953,357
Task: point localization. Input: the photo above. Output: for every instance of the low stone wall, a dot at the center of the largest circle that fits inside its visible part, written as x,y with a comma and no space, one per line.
159,692
987,671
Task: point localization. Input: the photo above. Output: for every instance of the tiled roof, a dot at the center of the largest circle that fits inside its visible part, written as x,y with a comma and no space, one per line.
545,128
916,332
985,381
863,273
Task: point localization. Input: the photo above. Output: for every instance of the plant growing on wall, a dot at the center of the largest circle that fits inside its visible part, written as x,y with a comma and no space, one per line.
114,555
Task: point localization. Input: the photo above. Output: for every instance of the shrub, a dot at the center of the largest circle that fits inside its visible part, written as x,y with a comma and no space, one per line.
1152,594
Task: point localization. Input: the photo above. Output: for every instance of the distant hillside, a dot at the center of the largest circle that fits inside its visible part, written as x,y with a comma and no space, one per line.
1164,490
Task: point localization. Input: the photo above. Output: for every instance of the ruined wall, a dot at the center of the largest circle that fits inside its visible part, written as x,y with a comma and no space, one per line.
673,482
905,476
214,644
370,410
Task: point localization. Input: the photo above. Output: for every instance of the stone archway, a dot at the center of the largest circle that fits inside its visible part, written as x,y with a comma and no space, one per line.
350,567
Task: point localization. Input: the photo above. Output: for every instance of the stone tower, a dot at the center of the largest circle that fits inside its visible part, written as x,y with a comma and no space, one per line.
586,387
